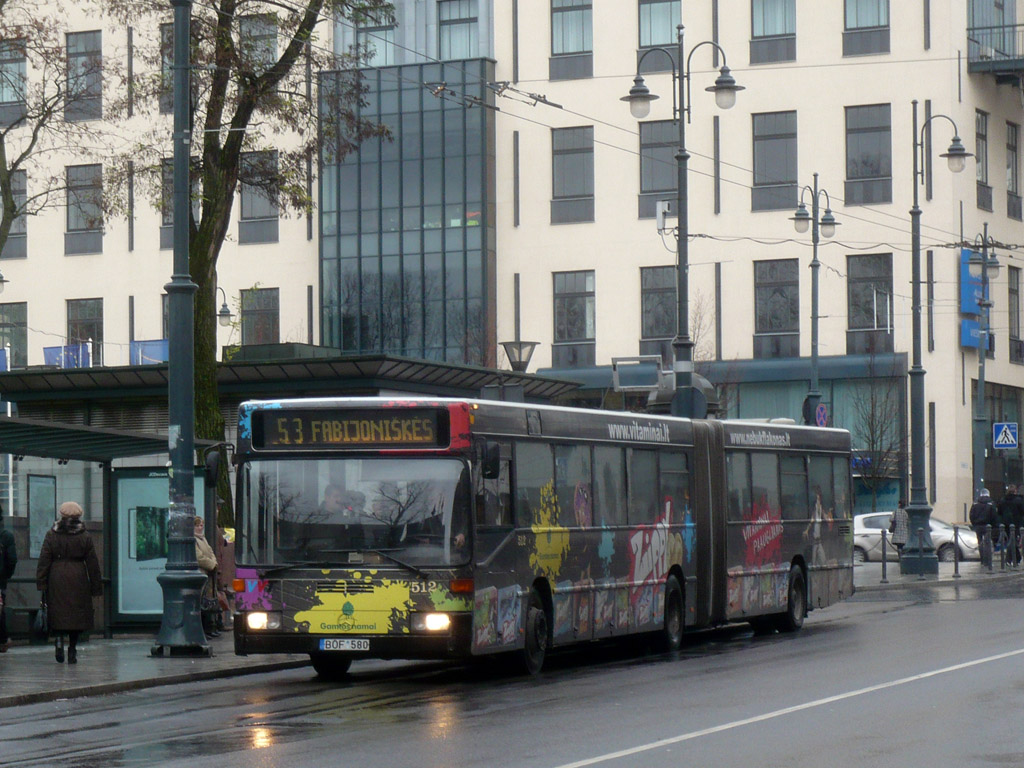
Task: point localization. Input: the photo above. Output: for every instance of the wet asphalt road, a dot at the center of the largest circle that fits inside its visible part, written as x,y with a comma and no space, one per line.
923,677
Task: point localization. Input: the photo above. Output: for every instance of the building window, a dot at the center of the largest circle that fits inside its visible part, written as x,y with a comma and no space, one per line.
867,27
775,180
869,303
572,41
84,77
85,324
657,311
260,316
772,31
981,156
1013,309
12,81
379,44
658,20
167,200
257,42
257,175
777,308
574,320
868,155
84,209
572,172
571,27
166,73
14,332
1013,201
659,141
16,246
457,29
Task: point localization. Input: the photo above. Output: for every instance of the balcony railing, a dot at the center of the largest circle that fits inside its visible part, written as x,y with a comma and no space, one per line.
147,352
70,356
996,49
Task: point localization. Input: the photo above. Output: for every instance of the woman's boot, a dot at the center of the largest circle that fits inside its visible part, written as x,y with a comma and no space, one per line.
58,649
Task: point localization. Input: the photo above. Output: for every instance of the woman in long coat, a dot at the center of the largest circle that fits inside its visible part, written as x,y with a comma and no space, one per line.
69,576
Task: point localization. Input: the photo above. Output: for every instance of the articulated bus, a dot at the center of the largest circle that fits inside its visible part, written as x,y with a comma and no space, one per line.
441,528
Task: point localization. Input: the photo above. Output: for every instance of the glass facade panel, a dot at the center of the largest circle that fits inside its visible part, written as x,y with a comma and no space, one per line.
417,286
260,316
865,14
868,154
14,332
84,198
457,29
657,302
12,80
84,76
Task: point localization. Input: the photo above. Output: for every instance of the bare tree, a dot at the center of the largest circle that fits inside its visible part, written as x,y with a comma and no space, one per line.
38,90
253,116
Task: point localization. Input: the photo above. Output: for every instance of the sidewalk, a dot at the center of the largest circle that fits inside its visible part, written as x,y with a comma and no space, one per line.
29,674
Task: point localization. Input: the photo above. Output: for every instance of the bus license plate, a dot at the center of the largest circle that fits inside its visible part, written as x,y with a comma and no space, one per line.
335,644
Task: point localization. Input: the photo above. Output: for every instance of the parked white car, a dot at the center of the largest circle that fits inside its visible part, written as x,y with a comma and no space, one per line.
867,539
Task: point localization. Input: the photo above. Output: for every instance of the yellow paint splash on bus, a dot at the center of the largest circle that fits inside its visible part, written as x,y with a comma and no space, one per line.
551,541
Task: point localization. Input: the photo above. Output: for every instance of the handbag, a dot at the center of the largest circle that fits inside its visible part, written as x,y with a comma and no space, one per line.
41,624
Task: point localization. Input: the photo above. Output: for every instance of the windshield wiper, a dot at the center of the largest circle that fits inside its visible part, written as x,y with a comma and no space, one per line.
289,566
398,561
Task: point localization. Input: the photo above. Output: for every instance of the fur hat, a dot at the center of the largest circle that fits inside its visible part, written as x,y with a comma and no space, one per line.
70,509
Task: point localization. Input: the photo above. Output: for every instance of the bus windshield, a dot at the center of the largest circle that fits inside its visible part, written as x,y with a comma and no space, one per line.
354,511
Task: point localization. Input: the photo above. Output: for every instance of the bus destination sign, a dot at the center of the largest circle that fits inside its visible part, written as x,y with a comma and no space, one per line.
276,429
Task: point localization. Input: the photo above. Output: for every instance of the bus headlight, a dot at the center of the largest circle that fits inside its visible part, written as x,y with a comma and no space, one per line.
431,622
263,620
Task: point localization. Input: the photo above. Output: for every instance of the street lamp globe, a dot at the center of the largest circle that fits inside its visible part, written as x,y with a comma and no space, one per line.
639,98
828,223
801,219
725,89
956,156
978,263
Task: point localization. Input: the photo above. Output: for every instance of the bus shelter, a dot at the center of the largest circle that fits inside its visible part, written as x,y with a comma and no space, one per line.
24,437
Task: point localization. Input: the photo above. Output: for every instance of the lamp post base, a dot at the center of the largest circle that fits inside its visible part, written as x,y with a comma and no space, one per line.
913,562
181,627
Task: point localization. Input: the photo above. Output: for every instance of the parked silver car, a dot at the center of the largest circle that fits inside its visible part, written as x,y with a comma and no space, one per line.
867,539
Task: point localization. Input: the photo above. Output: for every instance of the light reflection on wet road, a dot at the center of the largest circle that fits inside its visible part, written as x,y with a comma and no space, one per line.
585,704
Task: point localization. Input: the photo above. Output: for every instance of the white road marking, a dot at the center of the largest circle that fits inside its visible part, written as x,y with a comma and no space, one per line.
782,712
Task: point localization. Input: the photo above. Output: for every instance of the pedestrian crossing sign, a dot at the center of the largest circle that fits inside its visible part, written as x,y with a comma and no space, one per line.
1004,434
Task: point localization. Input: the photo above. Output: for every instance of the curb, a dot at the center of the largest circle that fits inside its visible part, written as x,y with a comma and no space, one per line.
985,578
146,682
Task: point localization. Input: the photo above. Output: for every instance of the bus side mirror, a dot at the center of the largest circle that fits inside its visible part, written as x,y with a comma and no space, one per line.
491,461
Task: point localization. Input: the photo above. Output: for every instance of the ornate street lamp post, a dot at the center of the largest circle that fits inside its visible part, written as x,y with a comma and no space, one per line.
826,226
640,98
919,552
181,629
986,267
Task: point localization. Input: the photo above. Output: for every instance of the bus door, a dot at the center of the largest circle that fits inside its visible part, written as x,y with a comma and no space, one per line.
497,605
709,515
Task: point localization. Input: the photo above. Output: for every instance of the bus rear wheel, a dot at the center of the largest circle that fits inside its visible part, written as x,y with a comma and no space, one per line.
796,605
536,645
672,632
330,666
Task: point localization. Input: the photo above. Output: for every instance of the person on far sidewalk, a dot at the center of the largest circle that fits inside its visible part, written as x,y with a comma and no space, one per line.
982,516
8,559
899,527
207,562
68,575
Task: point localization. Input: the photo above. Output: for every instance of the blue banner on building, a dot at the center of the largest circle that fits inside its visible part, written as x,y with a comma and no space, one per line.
970,286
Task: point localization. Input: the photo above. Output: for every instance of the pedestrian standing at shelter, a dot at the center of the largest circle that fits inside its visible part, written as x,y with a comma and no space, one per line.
899,527
207,562
1011,517
68,575
982,516
8,559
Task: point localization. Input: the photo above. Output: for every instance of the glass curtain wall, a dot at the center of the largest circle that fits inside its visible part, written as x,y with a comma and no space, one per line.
407,225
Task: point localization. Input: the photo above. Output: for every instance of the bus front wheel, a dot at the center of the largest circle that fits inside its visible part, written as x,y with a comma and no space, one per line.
672,631
330,666
796,605
536,646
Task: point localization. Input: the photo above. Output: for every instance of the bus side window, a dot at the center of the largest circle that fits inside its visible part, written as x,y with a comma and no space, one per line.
737,477
493,504
534,473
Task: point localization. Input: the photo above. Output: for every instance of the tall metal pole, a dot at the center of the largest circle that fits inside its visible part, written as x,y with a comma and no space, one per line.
682,402
181,630
980,435
919,552
814,393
